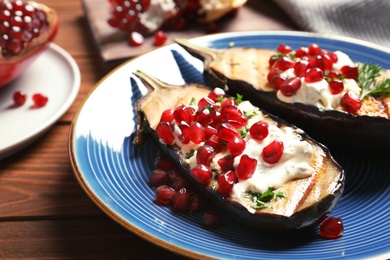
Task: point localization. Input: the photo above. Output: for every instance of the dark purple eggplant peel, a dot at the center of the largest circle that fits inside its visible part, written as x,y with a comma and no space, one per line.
244,71
307,201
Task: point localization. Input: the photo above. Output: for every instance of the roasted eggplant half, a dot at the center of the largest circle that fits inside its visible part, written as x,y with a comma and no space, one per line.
325,93
264,172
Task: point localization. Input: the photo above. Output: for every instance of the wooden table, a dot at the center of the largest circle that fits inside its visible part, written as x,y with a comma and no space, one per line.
44,213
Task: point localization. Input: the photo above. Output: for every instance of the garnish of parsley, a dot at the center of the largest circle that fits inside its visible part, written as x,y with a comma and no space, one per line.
367,80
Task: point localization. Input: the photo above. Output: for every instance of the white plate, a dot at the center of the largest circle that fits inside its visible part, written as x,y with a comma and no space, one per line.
55,74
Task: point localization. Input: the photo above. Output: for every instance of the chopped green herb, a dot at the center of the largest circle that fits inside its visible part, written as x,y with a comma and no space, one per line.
239,98
261,200
367,80
193,102
190,154
243,132
220,98
250,114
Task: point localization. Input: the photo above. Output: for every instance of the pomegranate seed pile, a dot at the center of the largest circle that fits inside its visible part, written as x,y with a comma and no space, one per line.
20,24
218,125
312,64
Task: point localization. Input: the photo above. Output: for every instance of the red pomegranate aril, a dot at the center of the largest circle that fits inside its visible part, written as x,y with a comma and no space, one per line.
184,137
259,130
183,114
196,132
226,163
336,86
167,116
233,113
165,164
160,37
349,72
314,75
314,49
136,39
285,63
333,75
272,73
198,203
236,146
211,219
209,131
203,116
214,142
216,93
246,167
227,132
277,80
19,98
332,228
205,102
283,48
273,152
205,155
350,102
158,177
333,57
290,86
228,102
300,68
179,183
181,201
174,175
39,100
301,52
164,194
226,182
327,61
165,133
201,174
216,116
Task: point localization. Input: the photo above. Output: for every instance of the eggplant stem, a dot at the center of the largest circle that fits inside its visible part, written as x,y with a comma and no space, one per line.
200,52
152,82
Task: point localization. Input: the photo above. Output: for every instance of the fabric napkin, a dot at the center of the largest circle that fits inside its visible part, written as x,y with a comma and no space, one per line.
367,20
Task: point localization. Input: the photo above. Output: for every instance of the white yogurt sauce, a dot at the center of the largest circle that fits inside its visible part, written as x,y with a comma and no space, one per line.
294,163
318,93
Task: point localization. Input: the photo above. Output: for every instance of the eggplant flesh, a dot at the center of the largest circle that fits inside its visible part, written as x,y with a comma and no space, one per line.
307,200
244,71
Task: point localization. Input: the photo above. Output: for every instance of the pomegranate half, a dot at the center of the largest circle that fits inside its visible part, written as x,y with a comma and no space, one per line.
26,30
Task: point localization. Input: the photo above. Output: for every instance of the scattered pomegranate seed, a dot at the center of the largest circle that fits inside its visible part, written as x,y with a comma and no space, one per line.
350,102
164,194
183,114
216,93
181,201
314,49
236,146
19,98
165,133
136,39
259,130
226,181
349,72
201,174
273,152
197,203
246,167
226,163
205,155
158,177
283,48
301,52
332,228
227,132
290,86
196,132
167,116
39,100
336,86
314,75
285,63
300,68
211,219
160,37
179,183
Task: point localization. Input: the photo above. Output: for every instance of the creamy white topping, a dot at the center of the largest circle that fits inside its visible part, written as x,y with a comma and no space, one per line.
318,93
294,163
157,13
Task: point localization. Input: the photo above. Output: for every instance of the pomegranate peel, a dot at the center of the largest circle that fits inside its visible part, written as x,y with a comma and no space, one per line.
13,66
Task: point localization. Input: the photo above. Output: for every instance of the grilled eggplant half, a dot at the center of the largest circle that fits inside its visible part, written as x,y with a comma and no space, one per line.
329,113
264,172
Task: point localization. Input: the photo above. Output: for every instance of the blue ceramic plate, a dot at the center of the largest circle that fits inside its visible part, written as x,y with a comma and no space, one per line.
114,173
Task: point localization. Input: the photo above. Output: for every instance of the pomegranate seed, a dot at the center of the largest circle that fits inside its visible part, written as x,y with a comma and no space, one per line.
327,61
228,102
285,63
209,131
314,49
136,39
179,183
174,175
181,201
160,38
232,113
349,72
184,137
283,48
272,60
197,134
226,163
19,98
214,142
332,228
273,152
158,177
201,174
259,130
246,167
301,52
333,75
205,102
227,132
205,155
336,86
236,146
300,68
333,57
290,86
165,133
350,102
211,219
197,202
183,114
164,194
272,73
216,93
203,116
277,80
165,164
39,100
167,116
226,182
314,75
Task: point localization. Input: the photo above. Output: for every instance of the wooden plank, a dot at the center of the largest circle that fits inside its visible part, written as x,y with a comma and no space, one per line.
98,238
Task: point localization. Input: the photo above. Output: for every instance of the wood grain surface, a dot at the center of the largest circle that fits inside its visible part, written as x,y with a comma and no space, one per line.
44,213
